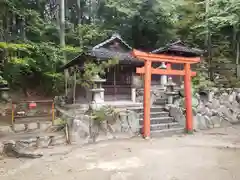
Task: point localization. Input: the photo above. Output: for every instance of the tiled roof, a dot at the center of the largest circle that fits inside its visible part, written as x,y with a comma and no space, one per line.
115,36
100,53
179,46
103,54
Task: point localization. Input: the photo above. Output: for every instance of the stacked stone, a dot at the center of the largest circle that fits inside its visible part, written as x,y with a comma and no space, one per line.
84,129
217,108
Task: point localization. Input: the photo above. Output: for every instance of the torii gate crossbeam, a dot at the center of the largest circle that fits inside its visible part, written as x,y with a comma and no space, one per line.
147,70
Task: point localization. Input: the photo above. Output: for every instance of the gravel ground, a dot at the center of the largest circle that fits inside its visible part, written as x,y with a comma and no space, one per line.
213,155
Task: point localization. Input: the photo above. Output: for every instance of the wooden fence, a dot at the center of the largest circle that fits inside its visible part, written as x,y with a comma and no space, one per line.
33,111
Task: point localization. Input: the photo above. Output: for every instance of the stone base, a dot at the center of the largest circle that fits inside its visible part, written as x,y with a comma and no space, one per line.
87,130
189,131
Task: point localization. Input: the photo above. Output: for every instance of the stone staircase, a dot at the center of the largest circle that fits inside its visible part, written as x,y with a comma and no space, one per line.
161,122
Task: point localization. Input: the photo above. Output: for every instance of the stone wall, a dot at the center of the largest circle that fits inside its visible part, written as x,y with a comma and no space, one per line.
217,108
83,129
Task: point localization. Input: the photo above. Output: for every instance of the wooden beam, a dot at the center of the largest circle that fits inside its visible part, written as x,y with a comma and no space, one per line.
164,71
164,58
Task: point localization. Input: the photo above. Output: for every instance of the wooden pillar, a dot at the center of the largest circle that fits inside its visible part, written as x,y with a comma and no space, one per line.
147,89
188,98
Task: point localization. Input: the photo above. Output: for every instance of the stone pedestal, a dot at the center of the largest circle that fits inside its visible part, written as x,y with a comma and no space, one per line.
97,99
4,92
97,92
171,96
163,80
170,90
133,94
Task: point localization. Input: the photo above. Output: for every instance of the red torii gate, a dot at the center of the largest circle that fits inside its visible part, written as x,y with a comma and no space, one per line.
148,71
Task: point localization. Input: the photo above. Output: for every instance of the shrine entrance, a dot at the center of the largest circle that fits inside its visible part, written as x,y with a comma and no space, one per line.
147,70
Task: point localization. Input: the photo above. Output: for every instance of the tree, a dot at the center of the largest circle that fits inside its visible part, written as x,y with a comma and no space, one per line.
30,41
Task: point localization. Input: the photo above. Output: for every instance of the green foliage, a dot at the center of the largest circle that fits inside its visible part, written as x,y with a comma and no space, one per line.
91,34
201,81
3,81
105,113
36,66
15,47
29,35
92,69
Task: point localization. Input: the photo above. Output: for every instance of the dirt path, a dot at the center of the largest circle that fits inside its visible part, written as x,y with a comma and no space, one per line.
213,155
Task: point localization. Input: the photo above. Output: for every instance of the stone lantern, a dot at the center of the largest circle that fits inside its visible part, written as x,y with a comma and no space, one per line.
170,90
97,91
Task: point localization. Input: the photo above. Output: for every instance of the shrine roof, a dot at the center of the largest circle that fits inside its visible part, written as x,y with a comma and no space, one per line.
105,54
108,42
179,48
112,48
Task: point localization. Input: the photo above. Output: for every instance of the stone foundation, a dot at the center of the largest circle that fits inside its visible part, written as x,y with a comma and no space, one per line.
25,147
84,129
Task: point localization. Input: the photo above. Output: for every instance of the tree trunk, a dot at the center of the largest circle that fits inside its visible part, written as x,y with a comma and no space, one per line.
62,40
79,22
208,39
23,32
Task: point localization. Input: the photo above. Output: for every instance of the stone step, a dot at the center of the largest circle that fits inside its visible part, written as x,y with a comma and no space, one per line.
157,108
154,108
161,101
168,132
159,120
162,126
30,126
157,127
156,114
37,140
28,120
28,135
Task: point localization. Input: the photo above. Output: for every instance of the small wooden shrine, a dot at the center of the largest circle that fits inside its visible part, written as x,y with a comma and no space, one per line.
118,83
179,49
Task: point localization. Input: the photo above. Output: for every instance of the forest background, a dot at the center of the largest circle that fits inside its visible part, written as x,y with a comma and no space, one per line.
35,41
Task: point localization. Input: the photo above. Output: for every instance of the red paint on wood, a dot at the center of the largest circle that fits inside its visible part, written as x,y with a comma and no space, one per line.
164,71
148,71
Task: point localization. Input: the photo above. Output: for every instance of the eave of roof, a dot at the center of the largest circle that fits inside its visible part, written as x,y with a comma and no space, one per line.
179,46
114,37
101,54
78,60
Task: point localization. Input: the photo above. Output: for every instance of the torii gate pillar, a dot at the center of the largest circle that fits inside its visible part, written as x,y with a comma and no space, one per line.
146,100
148,71
188,98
